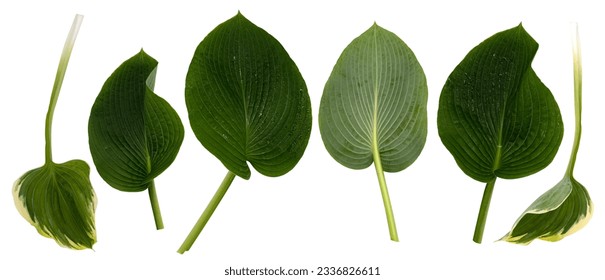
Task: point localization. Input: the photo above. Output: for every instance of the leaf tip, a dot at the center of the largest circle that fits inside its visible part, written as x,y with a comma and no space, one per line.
240,18
521,29
240,15
376,26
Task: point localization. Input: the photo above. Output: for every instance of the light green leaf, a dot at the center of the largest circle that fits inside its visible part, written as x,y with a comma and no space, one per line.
134,135
247,102
373,109
495,115
58,199
567,207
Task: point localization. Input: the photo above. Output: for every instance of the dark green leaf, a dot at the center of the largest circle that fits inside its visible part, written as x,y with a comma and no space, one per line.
134,135
566,207
247,101
495,115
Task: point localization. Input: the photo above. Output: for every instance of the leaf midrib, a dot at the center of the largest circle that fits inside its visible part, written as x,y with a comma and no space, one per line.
375,149
244,100
149,84
498,155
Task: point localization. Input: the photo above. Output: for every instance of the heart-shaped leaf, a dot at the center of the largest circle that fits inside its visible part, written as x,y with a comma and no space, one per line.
495,115
58,199
373,109
566,207
134,135
247,102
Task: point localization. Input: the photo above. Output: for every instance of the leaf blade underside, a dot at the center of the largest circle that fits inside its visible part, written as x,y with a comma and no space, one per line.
59,201
559,212
373,108
375,101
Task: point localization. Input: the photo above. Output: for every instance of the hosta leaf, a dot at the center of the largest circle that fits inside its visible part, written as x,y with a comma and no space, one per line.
247,102
561,211
495,115
565,208
373,109
58,200
134,135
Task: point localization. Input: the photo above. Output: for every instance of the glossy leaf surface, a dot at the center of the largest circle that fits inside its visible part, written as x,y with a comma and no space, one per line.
134,135
495,115
247,100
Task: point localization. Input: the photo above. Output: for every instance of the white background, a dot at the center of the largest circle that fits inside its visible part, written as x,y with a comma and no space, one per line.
321,213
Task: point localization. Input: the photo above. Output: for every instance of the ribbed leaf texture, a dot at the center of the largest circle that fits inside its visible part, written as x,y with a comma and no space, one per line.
373,108
247,100
561,211
566,207
495,115
375,101
134,135
59,201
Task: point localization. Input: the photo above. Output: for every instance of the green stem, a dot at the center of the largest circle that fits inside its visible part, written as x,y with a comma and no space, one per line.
201,222
385,198
577,74
64,60
155,206
487,197
376,156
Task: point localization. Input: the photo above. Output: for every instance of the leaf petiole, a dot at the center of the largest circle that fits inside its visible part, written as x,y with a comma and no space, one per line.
385,198
64,60
201,222
577,74
483,210
155,206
